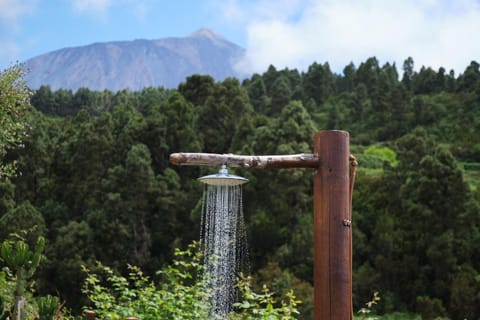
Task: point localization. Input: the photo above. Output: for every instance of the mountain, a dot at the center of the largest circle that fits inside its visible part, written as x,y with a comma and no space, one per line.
135,64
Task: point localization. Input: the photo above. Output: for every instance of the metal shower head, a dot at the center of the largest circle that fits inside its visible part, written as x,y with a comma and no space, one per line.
223,178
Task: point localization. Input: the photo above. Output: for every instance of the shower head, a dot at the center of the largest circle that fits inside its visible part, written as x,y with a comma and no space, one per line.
223,178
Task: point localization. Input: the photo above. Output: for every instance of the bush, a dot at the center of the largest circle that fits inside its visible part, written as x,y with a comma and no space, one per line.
257,306
16,288
181,293
430,308
281,281
464,300
376,156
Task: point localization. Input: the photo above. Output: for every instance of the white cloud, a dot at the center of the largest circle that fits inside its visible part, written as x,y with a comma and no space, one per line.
97,6
12,10
245,11
100,8
434,32
11,14
231,10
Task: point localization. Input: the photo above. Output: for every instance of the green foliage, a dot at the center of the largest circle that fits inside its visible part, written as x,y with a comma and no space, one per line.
382,153
263,305
3,311
369,305
7,298
374,158
18,257
48,307
17,292
418,234
392,316
282,282
97,171
180,294
7,287
471,171
14,105
429,308
24,217
464,294
23,262
218,118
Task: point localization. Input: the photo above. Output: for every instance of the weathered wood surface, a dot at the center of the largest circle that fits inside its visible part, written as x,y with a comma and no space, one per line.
302,160
332,228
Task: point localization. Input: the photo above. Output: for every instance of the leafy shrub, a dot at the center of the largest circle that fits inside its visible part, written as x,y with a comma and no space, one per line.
369,305
256,306
376,156
430,308
180,294
16,289
48,308
14,106
464,300
281,281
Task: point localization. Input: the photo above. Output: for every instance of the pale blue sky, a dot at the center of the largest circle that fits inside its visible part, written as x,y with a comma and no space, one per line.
32,27
285,33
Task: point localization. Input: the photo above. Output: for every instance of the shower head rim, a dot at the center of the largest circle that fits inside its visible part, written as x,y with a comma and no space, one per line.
223,178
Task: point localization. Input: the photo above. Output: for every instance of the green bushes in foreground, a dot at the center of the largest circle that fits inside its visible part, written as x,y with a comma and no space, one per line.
178,293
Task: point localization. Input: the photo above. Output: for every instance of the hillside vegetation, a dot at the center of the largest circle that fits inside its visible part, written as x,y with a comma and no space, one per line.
94,178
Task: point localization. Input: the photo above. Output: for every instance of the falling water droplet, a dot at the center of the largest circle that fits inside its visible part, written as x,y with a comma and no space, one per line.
223,237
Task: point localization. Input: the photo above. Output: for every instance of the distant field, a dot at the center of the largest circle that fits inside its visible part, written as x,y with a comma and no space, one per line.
372,159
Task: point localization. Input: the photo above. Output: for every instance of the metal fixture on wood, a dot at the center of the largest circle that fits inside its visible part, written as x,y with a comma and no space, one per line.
332,194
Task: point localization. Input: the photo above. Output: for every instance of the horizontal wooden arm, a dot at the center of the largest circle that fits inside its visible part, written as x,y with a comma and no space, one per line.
302,160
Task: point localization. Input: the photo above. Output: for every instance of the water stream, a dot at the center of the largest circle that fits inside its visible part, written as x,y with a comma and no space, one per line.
224,243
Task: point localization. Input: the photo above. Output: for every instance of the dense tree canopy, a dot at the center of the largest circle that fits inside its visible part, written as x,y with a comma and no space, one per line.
95,180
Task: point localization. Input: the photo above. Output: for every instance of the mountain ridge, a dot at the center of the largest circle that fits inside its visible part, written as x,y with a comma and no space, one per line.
136,64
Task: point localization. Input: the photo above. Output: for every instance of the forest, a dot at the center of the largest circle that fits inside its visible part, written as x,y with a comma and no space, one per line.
93,178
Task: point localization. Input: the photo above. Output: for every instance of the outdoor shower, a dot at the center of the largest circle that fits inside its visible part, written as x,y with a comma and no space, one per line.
333,180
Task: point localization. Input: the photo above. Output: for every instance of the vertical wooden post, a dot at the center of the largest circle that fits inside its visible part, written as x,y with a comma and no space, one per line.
332,229
90,314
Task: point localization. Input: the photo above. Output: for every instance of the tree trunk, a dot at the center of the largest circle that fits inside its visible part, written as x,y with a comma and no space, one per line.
18,310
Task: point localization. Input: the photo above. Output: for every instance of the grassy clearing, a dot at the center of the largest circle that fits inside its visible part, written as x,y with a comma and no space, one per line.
471,174
373,158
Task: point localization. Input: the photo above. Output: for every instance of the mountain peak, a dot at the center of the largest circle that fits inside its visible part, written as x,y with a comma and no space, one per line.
136,64
206,33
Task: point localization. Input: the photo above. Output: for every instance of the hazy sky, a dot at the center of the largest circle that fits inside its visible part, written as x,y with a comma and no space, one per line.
285,33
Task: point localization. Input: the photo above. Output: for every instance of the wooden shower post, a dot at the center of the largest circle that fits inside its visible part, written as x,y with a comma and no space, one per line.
332,228
332,213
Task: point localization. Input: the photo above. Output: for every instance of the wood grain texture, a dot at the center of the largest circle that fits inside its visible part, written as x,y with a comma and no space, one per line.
332,228
302,160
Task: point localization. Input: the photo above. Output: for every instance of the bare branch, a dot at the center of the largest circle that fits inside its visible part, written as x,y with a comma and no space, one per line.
302,160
